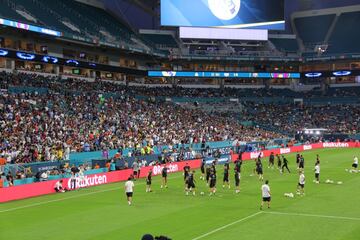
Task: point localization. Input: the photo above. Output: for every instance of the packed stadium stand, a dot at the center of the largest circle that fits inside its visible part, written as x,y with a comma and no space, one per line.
67,96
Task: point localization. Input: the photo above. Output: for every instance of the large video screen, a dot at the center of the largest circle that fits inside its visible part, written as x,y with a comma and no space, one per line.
255,14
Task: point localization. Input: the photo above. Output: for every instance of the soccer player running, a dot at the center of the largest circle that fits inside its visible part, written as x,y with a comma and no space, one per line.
212,182
129,190
226,175
278,162
355,165
301,184
191,183
285,165
317,172
164,177
148,181
186,174
266,195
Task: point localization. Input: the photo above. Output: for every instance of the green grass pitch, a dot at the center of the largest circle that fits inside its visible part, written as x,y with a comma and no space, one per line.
327,212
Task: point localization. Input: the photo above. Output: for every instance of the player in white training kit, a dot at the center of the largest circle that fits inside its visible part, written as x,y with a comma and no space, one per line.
129,190
301,184
355,164
266,195
317,172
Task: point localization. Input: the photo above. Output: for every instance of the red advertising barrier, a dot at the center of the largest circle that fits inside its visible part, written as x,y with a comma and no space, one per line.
42,188
266,153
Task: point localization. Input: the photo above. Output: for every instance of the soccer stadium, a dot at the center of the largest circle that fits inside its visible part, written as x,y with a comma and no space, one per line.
180,119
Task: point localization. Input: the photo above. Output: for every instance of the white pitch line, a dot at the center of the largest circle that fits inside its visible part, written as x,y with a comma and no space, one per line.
314,215
63,199
227,225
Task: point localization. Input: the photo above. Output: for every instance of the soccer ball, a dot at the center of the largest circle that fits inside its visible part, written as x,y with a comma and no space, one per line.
339,182
202,193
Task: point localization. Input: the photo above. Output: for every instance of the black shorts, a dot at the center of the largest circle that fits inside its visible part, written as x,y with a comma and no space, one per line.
237,182
164,175
191,185
301,165
135,173
354,165
185,176
129,194
317,175
202,169
148,182
266,199
212,184
279,164
259,171
226,178
301,185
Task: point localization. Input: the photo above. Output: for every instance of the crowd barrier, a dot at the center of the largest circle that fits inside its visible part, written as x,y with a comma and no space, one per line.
42,188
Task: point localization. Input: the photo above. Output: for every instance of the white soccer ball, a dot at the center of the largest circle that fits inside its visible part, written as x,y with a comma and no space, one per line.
202,193
339,182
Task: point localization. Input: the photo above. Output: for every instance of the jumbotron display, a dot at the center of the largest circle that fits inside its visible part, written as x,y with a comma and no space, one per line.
260,14
222,74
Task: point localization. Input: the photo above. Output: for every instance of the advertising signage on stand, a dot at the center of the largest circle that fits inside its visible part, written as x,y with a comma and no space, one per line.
171,74
29,56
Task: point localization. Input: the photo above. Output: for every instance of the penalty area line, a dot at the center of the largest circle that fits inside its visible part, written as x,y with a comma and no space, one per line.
227,225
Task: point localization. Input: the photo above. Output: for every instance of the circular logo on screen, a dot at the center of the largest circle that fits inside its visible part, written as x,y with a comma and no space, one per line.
224,9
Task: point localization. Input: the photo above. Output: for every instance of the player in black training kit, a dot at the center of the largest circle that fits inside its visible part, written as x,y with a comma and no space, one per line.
148,181
259,169
271,160
238,164
301,162
186,174
285,165
226,175
212,182
297,160
164,177
190,183
213,166
278,161
207,171
202,167
237,181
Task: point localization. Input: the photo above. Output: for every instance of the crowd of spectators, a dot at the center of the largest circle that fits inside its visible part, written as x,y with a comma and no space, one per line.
74,116
343,119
